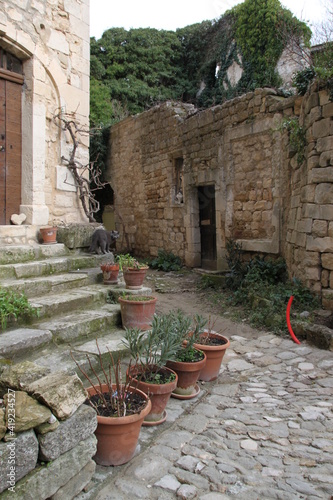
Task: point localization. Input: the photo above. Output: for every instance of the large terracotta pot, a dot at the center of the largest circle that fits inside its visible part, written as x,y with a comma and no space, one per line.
117,437
214,354
110,273
134,277
159,394
188,374
48,235
137,313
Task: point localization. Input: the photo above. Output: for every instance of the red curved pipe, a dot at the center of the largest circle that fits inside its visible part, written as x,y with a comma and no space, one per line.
293,336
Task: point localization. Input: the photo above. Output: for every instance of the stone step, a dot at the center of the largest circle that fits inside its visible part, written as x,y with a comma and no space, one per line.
58,358
51,265
15,343
81,324
33,287
80,298
11,254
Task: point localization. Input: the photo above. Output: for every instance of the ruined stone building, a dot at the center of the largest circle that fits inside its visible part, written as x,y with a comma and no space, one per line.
185,181
44,70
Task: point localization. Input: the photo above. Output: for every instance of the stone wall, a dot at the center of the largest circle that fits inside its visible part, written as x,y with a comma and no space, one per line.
241,149
46,434
309,236
51,38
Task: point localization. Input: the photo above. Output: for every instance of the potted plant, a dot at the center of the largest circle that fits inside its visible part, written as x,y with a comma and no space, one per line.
214,345
110,272
121,409
137,311
150,352
48,234
134,272
187,361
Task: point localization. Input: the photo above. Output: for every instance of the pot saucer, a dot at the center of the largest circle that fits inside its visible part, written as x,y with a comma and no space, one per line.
155,422
189,396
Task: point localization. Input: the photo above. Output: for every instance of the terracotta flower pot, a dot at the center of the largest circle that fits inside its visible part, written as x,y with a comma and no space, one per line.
117,437
137,313
110,273
214,354
48,235
159,394
134,277
188,374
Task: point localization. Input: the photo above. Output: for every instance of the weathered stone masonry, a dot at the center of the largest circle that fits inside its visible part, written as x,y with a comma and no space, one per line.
262,198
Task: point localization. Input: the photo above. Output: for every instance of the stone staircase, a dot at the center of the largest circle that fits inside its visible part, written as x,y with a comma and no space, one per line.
74,307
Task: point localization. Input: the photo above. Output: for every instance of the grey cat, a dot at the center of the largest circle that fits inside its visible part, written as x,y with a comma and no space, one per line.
102,241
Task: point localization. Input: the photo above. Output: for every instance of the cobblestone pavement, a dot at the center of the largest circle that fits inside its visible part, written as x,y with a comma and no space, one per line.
263,430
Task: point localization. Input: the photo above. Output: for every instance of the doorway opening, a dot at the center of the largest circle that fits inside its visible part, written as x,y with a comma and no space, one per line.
207,219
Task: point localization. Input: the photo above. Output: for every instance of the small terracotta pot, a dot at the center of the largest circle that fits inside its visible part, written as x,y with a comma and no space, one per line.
48,235
110,273
117,437
159,394
137,314
134,277
188,374
215,354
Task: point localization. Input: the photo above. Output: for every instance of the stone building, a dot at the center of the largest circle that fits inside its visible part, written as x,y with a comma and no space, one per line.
44,71
185,181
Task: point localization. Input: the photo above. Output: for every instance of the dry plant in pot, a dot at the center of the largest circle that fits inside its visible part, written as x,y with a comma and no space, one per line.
121,408
150,351
110,272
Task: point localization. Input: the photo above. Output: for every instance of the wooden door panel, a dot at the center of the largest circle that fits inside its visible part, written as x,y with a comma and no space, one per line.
207,226
2,153
11,145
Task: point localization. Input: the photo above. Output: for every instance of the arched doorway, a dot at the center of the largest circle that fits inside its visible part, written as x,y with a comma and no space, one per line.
11,80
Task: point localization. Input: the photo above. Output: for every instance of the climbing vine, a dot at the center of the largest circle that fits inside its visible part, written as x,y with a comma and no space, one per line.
297,138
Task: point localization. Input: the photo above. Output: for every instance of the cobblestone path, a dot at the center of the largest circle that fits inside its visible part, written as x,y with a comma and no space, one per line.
263,430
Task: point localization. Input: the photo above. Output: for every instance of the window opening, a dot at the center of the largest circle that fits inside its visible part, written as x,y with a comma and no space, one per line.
178,186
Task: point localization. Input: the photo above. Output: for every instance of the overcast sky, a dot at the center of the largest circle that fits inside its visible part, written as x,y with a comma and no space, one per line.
174,14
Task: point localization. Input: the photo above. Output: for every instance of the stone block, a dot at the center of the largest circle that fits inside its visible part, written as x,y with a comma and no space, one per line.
327,260
308,194
28,412
328,110
326,158
324,193
19,375
68,434
322,174
327,299
20,452
76,235
319,228
324,144
319,244
321,128
76,484
62,393
45,481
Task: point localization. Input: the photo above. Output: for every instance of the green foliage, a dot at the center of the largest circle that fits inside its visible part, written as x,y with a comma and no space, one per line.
297,137
166,261
126,261
302,79
263,289
15,306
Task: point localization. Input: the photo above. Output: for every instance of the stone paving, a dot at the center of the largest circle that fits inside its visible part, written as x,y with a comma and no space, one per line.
263,430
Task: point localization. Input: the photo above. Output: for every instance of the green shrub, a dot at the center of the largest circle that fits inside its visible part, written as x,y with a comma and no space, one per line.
14,306
166,261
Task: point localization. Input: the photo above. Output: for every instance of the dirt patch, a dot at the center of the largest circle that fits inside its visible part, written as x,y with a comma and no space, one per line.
181,291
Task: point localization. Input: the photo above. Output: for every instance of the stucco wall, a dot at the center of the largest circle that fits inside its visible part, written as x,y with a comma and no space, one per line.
51,37
262,199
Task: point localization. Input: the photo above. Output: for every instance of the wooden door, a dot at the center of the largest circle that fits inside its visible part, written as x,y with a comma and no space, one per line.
207,216
10,149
